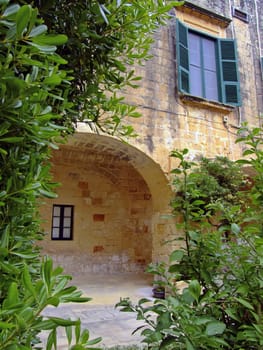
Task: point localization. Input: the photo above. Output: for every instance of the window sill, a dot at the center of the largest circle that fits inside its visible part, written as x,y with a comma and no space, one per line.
200,102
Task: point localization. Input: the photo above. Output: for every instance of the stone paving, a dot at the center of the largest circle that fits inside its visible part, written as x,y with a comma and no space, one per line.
100,316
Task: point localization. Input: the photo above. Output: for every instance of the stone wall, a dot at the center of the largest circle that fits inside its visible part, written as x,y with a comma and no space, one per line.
168,120
121,192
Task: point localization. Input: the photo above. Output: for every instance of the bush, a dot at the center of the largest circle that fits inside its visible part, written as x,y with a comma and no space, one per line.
33,91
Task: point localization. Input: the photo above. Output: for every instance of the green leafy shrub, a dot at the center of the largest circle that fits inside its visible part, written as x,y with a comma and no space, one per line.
33,91
221,304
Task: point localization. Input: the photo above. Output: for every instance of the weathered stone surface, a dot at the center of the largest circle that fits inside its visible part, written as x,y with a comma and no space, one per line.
121,191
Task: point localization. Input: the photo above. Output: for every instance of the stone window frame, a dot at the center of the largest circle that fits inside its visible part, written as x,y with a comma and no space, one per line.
62,222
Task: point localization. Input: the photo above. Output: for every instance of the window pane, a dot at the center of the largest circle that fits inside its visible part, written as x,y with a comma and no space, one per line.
67,211
195,81
56,210
67,222
56,222
55,233
194,50
66,232
209,54
211,90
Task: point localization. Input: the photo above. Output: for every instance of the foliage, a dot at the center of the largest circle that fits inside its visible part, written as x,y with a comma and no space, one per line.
33,91
106,38
209,182
221,304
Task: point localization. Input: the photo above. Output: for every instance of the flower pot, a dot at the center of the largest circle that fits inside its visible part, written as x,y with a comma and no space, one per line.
158,293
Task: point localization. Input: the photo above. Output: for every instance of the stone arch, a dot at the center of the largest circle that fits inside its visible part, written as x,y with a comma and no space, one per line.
120,195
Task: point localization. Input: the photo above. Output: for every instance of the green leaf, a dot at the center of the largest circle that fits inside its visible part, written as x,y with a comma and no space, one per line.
38,30
77,331
69,334
243,161
195,289
47,194
248,152
176,171
215,327
245,303
6,325
94,341
28,282
25,255
232,313
14,139
176,255
84,336
62,322
44,48
102,8
53,301
235,228
52,340
11,10
189,345
53,80
12,296
50,40
22,19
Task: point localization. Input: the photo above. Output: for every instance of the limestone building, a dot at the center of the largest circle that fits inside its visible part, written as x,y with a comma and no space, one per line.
204,80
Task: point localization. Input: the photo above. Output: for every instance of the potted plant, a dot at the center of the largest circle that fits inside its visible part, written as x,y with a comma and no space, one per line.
159,292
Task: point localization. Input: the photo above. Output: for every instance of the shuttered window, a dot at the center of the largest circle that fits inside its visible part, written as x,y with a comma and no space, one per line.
62,222
207,66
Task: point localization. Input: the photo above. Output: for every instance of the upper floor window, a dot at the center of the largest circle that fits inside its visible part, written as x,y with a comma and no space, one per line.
207,66
62,222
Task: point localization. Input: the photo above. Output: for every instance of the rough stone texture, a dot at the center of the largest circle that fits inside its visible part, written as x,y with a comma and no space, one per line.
121,191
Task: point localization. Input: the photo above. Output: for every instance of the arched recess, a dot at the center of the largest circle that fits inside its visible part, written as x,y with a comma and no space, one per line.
119,195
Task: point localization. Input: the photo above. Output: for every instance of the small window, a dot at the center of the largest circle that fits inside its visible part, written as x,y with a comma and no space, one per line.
62,222
243,16
207,66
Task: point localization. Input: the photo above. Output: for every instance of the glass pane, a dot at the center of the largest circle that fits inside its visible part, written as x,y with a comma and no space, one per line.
55,233
211,91
66,232
67,222
195,81
209,54
56,222
194,50
67,211
56,210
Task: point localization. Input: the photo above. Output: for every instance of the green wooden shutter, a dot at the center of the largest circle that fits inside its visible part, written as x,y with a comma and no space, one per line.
182,57
230,86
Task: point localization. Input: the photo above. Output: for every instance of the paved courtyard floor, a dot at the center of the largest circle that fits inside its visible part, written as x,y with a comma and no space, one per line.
99,315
